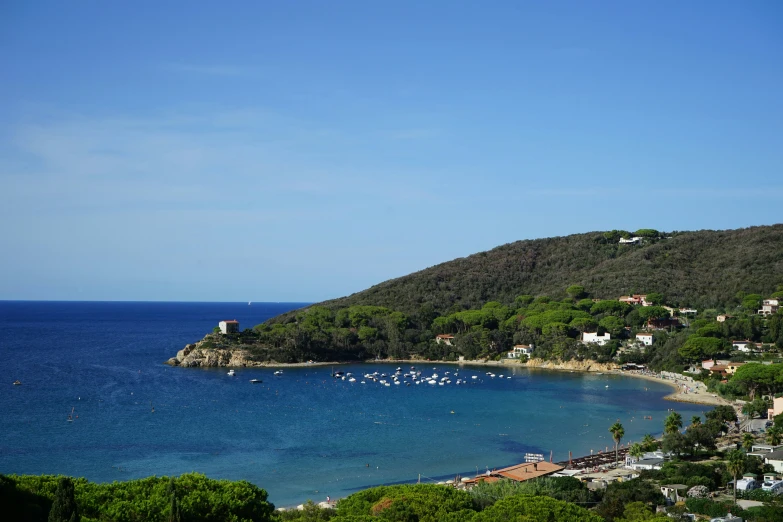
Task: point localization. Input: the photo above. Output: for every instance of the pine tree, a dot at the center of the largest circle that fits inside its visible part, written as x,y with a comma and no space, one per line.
64,506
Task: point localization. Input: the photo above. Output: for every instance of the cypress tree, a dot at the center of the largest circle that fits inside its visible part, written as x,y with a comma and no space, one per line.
64,506
174,515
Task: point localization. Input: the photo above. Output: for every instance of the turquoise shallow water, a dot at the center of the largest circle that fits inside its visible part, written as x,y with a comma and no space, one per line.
300,435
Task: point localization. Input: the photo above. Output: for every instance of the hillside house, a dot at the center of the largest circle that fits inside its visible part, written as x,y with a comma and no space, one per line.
732,367
662,324
709,363
446,339
636,299
723,317
636,240
745,346
645,338
776,409
769,307
227,327
691,311
593,337
520,350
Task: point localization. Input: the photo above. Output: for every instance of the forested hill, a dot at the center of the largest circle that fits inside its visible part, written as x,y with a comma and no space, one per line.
702,269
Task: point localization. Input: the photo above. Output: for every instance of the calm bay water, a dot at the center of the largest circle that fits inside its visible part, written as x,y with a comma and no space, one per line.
300,435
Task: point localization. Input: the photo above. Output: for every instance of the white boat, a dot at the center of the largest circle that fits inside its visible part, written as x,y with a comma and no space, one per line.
256,381
474,377
351,380
363,382
396,382
279,372
231,373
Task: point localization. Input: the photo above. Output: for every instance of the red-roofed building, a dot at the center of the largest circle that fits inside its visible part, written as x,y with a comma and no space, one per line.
230,326
446,339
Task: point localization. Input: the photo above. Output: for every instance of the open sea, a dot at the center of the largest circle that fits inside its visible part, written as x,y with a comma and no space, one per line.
302,435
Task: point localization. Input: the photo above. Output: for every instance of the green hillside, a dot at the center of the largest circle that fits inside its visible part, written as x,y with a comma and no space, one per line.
704,269
548,292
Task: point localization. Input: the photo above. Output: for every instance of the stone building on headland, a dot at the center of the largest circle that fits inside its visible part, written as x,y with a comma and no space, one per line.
229,326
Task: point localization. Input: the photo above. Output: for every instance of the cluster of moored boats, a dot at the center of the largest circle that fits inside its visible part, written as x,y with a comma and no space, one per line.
412,376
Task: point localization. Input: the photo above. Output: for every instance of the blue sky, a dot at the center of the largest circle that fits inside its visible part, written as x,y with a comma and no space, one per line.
298,151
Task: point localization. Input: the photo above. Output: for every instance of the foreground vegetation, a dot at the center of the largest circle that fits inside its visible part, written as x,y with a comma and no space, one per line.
195,498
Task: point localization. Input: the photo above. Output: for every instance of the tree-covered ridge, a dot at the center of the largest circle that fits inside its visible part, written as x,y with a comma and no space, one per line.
553,327
703,269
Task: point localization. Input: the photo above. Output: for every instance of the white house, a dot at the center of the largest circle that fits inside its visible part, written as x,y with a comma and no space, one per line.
688,311
646,464
645,338
227,327
722,318
745,346
769,306
775,459
631,240
593,337
520,350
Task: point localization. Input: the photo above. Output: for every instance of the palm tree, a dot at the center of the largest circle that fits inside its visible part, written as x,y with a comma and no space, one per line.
636,450
618,432
649,443
735,464
747,441
672,423
774,435
695,420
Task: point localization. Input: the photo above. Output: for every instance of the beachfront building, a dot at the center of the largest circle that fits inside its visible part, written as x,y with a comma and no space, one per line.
645,338
520,350
229,326
645,463
769,306
775,459
446,339
593,337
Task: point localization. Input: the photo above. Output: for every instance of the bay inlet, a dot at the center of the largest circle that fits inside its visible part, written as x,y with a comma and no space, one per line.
299,435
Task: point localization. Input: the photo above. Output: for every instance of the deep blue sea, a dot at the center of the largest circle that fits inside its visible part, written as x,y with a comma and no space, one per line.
302,435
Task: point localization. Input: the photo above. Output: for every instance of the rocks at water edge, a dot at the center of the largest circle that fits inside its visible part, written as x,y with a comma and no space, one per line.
197,355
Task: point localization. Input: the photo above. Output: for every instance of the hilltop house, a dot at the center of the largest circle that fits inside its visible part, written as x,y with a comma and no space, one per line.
593,337
769,307
446,339
520,350
227,327
645,338
636,240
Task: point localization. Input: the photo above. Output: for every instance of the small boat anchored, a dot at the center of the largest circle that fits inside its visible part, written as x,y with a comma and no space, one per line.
17,382
256,381
231,373
279,372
